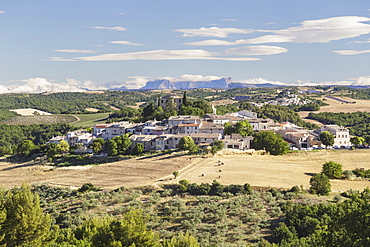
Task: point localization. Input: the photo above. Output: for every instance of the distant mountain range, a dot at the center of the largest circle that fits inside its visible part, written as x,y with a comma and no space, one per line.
223,83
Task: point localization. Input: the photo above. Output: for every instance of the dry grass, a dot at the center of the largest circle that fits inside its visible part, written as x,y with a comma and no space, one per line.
283,171
41,119
259,170
30,112
336,106
92,109
222,102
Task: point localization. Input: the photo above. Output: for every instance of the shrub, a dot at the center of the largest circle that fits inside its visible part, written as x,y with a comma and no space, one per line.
87,187
320,184
332,169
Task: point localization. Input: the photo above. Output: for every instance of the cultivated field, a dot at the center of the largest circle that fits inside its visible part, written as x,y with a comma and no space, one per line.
30,112
258,170
40,119
88,120
337,106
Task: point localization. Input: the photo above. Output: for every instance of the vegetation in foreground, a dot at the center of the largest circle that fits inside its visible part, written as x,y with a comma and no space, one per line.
181,215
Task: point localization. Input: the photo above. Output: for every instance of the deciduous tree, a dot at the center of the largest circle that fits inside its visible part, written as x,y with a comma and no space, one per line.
327,138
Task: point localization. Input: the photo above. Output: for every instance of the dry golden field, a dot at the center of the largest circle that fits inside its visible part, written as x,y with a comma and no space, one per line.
336,106
259,170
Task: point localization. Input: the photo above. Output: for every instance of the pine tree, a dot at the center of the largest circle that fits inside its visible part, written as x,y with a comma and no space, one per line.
22,222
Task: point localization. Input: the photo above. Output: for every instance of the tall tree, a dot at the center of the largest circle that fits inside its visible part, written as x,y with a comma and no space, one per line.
184,99
22,222
271,142
244,128
327,138
187,143
26,147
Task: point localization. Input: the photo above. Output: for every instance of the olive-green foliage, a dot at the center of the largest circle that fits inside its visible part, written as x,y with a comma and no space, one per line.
357,122
128,231
242,127
181,240
118,145
187,143
327,138
6,114
271,142
320,184
22,222
26,148
138,149
332,169
340,224
11,136
87,187
217,146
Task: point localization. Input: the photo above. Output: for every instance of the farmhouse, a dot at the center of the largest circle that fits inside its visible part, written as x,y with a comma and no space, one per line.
341,135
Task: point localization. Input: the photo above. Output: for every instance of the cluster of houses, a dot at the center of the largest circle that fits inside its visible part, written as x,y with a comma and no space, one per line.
166,134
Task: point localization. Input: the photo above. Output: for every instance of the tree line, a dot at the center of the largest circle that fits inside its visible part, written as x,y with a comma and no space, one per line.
357,122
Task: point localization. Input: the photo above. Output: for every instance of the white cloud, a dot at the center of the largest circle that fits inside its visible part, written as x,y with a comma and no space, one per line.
270,23
111,28
39,85
136,83
124,42
61,59
261,81
229,19
163,55
361,42
4,89
362,81
188,77
351,52
212,32
318,31
255,50
121,13
310,31
210,42
75,51
2,12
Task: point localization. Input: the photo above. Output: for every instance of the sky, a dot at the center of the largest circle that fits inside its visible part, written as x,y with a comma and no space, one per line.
72,44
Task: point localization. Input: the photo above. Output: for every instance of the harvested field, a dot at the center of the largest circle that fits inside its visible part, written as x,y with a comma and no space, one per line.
41,119
259,170
337,106
283,171
92,109
128,173
30,112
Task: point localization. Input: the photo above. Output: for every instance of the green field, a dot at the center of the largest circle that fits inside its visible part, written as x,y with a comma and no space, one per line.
88,120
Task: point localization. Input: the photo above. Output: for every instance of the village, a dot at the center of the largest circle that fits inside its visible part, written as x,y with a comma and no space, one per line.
164,135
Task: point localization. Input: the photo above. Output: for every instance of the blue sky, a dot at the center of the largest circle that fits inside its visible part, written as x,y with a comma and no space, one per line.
63,45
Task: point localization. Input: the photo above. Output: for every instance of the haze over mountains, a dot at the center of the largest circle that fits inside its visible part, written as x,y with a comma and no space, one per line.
41,85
